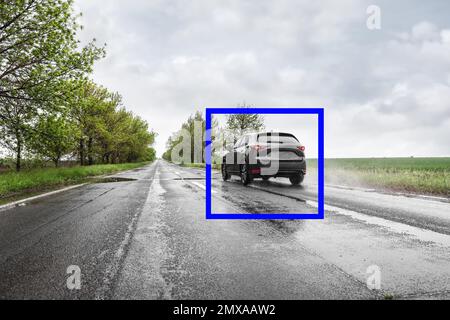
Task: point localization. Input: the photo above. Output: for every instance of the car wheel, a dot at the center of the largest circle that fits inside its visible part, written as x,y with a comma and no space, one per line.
265,179
225,175
246,178
296,179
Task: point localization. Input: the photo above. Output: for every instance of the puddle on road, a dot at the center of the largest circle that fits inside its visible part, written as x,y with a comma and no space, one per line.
112,180
254,205
286,227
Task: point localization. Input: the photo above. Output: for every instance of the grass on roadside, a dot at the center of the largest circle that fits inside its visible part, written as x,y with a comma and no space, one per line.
416,175
200,165
16,184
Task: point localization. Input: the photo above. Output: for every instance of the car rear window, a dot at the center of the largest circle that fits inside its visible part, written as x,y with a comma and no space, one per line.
276,138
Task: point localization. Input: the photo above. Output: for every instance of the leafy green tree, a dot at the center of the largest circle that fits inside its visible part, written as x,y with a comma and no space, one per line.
54,138
193,128
196,125
239,124
46,100
86,104
38,46
139,138
38,49
173,141
15,123
107,133
149,155
113,129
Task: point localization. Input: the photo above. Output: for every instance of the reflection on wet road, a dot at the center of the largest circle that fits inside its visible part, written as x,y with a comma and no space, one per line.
145,236
286,259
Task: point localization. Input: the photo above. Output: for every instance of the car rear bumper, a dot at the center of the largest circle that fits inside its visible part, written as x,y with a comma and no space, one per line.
278,168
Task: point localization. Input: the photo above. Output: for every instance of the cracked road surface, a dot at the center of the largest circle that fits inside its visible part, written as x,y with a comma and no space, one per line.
147,238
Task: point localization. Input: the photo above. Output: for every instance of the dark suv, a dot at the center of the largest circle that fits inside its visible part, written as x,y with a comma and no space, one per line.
265,155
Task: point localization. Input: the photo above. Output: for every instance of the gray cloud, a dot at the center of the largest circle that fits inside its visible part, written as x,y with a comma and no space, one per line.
386,92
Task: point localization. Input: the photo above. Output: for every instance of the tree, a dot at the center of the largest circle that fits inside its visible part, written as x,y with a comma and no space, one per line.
149,155
54,138
195,126
193,129
107,132
112,129
15,122
38,46
191,134
173,141
137,140
38,49
86,104
239,124
46,99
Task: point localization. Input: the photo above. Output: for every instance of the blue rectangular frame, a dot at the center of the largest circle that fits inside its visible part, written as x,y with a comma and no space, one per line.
268,216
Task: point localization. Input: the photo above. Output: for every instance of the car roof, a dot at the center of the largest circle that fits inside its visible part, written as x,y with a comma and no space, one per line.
269,133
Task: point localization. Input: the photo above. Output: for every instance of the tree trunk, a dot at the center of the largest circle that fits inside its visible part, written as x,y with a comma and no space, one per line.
106,158
90,158
19,155
56,161
105,153
81,152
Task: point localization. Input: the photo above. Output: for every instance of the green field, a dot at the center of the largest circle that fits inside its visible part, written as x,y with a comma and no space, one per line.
416,175
413,175
15,185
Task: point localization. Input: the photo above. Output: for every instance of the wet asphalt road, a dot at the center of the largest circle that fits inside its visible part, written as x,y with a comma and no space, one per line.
148,239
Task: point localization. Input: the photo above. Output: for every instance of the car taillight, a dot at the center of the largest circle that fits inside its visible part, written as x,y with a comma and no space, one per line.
258,148
302,148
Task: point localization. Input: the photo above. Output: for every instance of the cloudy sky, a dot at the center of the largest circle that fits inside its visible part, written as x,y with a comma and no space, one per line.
386,92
